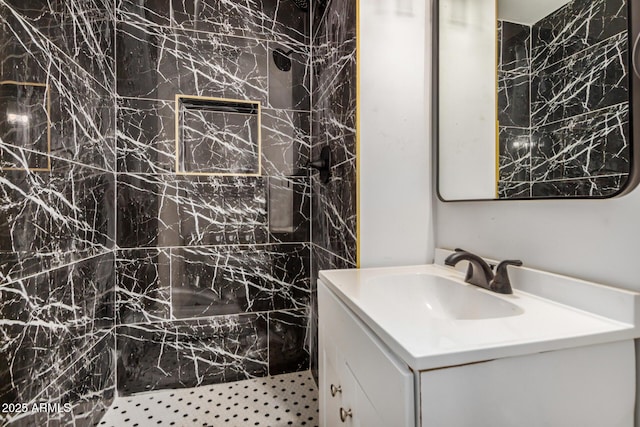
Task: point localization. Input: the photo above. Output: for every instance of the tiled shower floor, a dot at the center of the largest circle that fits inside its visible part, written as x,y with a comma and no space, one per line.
281,400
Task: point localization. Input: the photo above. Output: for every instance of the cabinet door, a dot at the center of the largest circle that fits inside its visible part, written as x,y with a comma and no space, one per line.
355,409
365,415
576,387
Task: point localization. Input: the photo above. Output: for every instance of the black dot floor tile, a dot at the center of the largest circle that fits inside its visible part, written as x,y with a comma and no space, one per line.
256,402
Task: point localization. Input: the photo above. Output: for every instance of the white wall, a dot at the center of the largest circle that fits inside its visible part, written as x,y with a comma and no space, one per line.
467,99
395,161
594,240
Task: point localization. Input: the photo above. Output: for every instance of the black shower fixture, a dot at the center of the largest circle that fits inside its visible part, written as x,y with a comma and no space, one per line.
302,4
323,164
282,59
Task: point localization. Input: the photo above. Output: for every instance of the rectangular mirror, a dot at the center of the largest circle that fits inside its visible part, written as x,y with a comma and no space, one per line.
534,99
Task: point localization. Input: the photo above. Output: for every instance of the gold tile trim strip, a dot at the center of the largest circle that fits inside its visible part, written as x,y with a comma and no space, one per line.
205,98
48,153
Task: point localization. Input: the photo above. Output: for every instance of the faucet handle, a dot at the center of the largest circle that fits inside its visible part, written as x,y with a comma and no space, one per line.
501,282
503,264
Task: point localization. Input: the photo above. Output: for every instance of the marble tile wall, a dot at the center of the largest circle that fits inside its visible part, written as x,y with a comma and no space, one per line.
577,142
213,272
119,273
57,210
334,125
514,109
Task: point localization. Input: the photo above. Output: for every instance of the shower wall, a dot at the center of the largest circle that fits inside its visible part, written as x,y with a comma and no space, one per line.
334,125
514,109
150,236
57,213
213,272
563,102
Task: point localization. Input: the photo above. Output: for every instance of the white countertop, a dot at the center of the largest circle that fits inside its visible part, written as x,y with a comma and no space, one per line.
427,342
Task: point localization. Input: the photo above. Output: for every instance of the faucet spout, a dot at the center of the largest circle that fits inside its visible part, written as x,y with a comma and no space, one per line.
478,273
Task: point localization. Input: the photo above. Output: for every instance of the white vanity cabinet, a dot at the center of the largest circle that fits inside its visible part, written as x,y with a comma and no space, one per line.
361,383
392,353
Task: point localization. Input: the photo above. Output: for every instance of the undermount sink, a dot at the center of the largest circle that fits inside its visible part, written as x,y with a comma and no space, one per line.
441,297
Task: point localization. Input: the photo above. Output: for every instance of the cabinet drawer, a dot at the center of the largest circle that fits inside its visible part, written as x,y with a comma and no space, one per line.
386,383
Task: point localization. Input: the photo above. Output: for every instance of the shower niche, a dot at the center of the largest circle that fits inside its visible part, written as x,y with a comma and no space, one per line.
25,126
216,136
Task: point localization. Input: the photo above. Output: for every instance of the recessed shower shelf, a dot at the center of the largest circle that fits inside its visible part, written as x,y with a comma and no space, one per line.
216,136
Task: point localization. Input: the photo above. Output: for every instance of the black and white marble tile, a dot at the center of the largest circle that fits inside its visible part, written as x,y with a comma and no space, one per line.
104,236
335,100
334,221
288,341
579,137
278,20
56,216
25,126
143,288
582,147
605,186
333,124
196,211
321,259
575,27
146,136
212,140
143,201
58,367
286,142
514,47
515,154
82,129
160,63
513,100
514,190
191,353
514,104
318,11
215,229
88,386
235,280
289,209
174,211
78,296
69,47
58,226
47,38
596,79
289,76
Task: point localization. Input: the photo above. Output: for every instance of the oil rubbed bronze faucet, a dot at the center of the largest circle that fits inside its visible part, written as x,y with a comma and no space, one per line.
479,273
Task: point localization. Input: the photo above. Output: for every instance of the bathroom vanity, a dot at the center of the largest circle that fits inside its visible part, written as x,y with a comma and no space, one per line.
416,346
